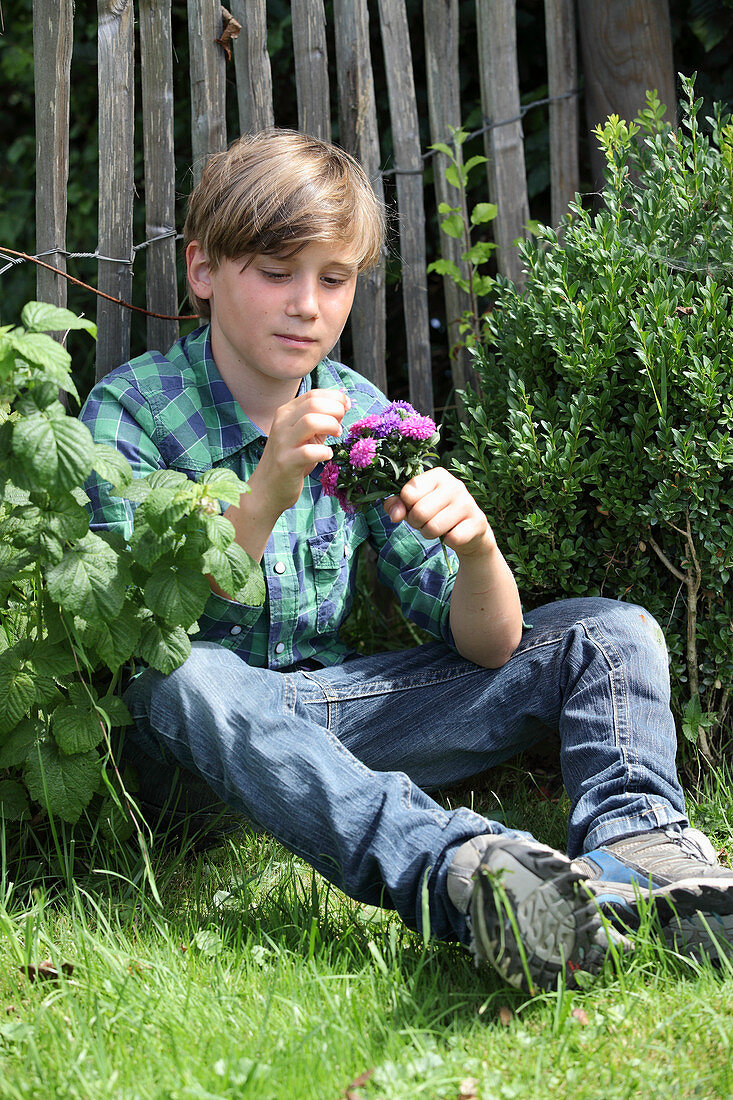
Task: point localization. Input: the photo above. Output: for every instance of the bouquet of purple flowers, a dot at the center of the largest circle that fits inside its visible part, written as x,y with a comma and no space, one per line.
378,455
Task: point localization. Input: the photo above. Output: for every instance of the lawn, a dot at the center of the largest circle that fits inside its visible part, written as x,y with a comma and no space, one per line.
251,977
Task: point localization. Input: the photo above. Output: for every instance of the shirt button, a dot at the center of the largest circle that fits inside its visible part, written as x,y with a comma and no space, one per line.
236,630
346,550
279,566
280,647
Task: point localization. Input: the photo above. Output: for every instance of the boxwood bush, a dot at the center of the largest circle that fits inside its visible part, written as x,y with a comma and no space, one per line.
599,442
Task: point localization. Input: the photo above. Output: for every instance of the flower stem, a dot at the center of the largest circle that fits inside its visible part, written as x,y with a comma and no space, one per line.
448,561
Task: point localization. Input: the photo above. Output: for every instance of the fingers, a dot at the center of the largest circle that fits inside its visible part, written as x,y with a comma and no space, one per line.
438,505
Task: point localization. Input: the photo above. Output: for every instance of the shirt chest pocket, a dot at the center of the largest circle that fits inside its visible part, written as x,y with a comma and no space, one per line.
332,554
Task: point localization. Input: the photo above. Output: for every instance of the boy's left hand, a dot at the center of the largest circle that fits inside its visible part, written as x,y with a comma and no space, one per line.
438,505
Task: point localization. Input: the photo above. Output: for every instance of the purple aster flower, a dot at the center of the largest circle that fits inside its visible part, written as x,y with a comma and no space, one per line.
417,427
408,408
362,452
389,421
329,477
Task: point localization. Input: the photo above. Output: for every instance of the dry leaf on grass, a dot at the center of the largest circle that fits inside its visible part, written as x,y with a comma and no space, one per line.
351,1092
47,971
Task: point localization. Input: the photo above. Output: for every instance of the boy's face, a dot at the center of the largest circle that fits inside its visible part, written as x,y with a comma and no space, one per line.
274,319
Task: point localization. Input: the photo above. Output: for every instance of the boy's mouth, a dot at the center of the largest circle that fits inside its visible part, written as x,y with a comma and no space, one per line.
295,341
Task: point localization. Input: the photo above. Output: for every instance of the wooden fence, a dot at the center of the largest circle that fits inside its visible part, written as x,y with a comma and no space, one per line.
212,32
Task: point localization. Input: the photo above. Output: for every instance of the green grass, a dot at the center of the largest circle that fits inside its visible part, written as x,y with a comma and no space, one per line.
256,979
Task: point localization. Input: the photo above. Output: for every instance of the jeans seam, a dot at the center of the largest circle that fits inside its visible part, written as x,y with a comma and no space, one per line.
619,694
385,687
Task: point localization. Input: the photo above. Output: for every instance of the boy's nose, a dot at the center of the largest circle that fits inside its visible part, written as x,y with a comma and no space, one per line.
304,299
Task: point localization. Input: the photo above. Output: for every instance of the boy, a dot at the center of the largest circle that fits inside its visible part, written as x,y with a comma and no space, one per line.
333,753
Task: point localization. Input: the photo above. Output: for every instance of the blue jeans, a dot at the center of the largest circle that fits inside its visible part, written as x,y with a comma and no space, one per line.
336,763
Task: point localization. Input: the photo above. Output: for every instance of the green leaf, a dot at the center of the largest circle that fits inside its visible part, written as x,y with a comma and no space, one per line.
41,350
446,267
55,453
51,659
453,226
238,574
176,594
42,317
209,942
112,466
472,163
692,720
165,505
76,727
90,580
223,484
219,531
13,801
15,748
17,689
58,375
163,647
66,518
455,175
63,785
113,642
146,545
483,212
479,253
115,710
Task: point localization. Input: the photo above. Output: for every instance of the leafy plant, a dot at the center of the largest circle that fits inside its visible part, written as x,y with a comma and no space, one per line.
602,443
80,605
456,222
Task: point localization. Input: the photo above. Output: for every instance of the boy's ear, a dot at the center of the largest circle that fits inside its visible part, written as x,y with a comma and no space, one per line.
198,271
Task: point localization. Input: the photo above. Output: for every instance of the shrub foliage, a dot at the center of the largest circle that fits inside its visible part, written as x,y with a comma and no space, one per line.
600,442
80,605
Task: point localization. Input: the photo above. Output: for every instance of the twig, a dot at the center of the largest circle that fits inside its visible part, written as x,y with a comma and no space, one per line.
109,297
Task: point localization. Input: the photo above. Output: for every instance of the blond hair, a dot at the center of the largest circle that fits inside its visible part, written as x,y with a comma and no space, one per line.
274,192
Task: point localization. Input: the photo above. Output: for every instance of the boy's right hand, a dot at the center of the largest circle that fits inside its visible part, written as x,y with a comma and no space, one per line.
296,445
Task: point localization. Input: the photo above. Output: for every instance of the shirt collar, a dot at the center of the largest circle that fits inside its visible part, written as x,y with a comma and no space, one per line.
228,428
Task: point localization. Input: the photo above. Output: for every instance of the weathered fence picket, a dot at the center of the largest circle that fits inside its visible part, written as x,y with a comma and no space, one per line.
310,56
444,106
500,99
52,45
116,179
625,46
562,82
156,67
360,135
252,66
409,168
207,62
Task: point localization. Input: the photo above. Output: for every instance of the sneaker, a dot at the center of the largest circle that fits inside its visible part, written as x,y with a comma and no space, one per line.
529,914
676,871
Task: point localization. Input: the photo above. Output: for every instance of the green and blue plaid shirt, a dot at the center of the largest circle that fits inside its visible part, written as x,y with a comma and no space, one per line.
176,412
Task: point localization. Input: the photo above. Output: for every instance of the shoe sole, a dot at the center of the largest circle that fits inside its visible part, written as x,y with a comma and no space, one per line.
533,891
696,918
